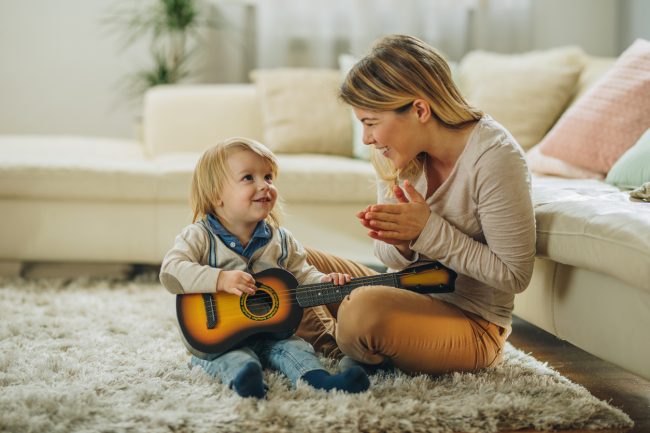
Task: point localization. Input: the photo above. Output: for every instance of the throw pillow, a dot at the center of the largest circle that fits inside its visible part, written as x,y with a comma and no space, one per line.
359,150
596,130
526,93
595,68
301,112
633,168
542,164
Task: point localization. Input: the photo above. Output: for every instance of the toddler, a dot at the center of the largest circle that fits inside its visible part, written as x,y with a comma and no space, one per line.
236,233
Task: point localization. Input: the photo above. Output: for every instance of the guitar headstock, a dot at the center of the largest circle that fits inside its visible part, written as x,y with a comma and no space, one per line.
430,277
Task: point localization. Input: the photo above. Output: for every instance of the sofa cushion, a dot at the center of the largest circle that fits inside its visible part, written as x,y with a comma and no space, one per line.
359,149
611,116
544,164
190,118
324,178
74,167
306,178
86,168
301,112
595,68
525,92
590,224
593,71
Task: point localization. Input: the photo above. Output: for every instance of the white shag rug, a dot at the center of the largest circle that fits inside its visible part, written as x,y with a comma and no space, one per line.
87,355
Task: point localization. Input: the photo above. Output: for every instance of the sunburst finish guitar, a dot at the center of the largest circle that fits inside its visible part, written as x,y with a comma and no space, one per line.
213,323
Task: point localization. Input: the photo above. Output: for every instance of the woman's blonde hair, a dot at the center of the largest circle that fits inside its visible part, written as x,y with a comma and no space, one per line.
212,174
398,70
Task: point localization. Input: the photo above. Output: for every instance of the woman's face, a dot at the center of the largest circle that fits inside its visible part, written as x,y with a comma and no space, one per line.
392,134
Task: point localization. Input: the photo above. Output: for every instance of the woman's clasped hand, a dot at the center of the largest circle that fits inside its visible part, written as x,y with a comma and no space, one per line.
398,223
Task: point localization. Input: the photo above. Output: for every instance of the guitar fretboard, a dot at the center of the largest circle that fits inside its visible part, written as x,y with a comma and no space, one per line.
311,295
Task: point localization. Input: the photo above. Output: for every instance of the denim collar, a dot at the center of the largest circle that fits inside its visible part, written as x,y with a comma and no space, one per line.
261,236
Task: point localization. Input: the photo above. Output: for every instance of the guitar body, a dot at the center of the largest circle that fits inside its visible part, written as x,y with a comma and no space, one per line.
272,309
212,324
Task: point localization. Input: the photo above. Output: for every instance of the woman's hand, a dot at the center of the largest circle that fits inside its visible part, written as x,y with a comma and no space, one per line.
236,282
397,224
337,278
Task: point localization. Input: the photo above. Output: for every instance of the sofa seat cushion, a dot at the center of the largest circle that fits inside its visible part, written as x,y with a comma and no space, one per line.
310,178
302,178
88,168
588,223
72,167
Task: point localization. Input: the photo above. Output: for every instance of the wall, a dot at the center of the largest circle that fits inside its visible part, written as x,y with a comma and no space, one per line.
634,22
590,24
60,70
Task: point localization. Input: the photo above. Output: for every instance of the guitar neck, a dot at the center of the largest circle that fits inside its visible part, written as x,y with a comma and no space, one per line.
311,295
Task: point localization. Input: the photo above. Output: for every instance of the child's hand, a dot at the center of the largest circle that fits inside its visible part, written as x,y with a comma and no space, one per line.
337,278
236,282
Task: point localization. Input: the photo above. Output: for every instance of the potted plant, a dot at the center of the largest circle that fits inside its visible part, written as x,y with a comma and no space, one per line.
173,31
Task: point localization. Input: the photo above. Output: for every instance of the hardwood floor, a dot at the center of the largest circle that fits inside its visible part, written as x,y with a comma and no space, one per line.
604,380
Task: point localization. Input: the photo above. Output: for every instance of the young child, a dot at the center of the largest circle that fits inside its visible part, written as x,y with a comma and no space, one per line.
236,229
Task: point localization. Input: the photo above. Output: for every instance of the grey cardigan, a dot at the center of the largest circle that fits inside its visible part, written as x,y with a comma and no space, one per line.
198,256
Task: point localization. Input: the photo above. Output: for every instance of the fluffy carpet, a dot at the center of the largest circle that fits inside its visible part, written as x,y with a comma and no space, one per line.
97,355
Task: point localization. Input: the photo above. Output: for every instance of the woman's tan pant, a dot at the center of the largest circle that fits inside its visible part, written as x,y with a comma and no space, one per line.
415,332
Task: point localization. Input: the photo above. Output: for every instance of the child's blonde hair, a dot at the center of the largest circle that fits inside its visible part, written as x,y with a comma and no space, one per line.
399,70
211,176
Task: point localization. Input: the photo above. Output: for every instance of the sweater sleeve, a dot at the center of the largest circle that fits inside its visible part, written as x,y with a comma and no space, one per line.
297,262
182,271
505,255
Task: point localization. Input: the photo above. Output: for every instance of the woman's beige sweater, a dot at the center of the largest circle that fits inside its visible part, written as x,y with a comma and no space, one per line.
482,225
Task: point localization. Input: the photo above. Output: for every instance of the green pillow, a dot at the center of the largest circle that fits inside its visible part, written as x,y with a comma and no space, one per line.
633,168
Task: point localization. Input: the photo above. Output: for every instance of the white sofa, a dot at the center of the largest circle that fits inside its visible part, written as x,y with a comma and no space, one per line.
79,199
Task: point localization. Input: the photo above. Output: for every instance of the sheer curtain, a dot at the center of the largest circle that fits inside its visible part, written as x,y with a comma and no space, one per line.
313,33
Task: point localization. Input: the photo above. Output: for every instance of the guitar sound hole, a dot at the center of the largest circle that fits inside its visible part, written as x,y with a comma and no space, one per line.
260,303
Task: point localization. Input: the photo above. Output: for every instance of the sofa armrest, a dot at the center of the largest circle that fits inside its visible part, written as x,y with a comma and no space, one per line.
193,117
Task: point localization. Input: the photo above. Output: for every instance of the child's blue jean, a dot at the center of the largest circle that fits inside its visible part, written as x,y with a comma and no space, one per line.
293,356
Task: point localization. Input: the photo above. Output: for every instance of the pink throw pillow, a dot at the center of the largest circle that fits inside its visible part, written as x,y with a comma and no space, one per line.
542,164
595,131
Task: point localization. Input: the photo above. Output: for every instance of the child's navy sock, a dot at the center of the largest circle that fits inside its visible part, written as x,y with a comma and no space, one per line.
249,382
352,380
347,362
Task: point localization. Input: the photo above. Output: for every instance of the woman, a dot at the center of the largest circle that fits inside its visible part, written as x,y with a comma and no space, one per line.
453,187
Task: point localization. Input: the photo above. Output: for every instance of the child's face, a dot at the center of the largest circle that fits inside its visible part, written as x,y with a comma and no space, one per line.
249,195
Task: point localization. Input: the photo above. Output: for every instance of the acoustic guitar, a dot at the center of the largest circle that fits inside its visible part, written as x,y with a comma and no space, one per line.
213,323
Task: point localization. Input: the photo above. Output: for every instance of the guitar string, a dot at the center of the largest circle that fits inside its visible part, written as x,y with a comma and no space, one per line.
308,298
320,287
358,282
235,310
310,289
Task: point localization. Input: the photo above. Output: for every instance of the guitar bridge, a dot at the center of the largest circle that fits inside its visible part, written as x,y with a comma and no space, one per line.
210,310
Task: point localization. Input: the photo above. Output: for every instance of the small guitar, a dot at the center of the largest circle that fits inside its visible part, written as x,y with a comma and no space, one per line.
213,323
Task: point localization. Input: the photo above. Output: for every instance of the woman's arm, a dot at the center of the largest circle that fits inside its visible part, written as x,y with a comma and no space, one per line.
505,259
501,191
